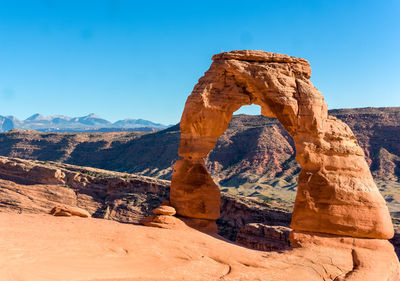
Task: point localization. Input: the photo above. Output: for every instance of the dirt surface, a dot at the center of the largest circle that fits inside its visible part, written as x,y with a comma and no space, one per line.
43,247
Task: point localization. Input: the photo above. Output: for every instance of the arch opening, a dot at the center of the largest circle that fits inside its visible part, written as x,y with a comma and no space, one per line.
252,109
255,157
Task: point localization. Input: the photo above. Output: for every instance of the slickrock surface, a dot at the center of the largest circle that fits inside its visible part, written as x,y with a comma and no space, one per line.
336,192
43,247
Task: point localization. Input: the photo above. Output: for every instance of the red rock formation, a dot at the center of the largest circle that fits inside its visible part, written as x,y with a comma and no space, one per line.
336,192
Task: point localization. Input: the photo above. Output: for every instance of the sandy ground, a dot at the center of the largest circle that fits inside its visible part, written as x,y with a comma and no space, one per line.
43,247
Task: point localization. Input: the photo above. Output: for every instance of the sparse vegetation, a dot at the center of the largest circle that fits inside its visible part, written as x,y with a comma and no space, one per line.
13,201
95,174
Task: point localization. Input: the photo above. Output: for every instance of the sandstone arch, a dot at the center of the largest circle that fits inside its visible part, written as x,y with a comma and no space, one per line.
336,193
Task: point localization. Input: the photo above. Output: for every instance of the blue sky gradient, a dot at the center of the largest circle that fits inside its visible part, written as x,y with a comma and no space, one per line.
141,59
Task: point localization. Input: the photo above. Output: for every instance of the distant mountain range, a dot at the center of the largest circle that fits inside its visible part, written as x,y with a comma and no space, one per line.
89,123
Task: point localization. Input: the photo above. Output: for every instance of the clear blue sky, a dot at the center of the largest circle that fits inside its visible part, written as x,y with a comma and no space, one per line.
141,59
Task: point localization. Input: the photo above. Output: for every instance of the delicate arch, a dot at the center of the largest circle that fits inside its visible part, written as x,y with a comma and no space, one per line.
336,193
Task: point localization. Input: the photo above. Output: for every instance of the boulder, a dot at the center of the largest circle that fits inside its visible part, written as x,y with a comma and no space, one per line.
164,210
68,211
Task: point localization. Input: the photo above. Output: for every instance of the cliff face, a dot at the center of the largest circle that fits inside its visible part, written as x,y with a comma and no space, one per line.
378,132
